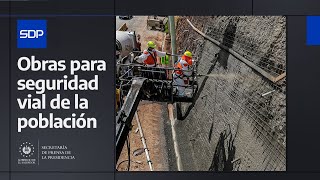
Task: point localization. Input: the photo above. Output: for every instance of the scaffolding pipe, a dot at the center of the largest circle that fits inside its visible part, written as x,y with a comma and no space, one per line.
173,39
144,143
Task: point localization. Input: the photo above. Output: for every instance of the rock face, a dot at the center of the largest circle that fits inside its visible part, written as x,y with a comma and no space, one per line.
237,111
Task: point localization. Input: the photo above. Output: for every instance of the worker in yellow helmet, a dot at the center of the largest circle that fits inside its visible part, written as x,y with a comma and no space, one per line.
149,56
183,71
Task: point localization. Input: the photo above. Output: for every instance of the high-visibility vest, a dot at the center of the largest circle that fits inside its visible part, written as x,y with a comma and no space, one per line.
182,64
165,60
178,66
151,59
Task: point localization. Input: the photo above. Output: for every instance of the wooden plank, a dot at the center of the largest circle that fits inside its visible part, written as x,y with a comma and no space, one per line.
123,27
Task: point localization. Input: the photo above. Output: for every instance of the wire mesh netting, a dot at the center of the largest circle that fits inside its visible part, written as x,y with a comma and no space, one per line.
236,94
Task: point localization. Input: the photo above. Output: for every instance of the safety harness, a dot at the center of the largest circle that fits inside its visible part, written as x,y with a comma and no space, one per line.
176,75
153,57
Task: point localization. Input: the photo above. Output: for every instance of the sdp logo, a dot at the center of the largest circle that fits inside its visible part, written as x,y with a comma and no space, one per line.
32,33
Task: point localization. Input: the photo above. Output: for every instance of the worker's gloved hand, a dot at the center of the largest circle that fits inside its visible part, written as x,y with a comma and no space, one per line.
135,59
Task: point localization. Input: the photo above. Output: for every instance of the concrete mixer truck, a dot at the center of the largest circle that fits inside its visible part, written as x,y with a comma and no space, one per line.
126,42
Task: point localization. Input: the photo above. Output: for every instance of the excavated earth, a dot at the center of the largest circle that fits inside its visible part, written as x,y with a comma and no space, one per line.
237,121
152,116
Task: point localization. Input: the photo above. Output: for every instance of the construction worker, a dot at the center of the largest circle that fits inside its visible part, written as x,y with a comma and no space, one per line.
183,70
149,59
149,56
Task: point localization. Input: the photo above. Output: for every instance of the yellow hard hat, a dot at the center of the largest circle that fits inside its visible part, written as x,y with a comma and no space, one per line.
188,54
151,44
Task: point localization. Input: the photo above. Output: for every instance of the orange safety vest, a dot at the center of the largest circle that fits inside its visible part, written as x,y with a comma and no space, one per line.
151,59
179,65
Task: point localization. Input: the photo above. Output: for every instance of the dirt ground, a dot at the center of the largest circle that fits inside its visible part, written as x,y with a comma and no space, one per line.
151,116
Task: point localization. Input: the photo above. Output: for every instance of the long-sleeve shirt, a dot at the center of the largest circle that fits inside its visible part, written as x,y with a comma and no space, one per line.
184,66
147,59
